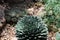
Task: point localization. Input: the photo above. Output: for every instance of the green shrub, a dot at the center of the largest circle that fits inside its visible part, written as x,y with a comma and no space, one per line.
52,12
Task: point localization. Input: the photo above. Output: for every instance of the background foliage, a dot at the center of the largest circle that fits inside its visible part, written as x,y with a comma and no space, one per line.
52,8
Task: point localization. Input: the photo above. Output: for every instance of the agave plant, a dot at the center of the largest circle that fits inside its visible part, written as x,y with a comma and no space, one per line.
31,28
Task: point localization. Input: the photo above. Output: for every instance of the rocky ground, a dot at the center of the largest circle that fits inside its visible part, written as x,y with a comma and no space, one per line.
8,31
